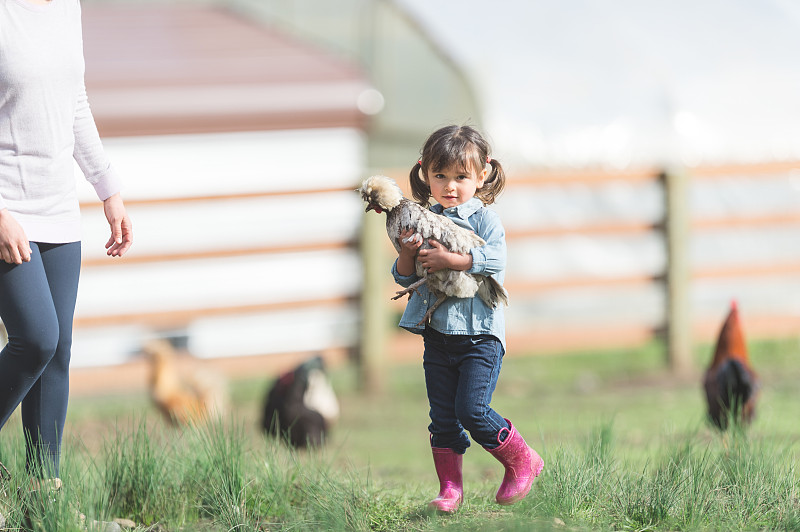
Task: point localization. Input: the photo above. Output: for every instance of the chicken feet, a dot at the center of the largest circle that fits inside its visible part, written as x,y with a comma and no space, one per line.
411,289
426,318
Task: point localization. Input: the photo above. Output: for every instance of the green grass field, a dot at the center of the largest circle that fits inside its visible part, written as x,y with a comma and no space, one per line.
626,447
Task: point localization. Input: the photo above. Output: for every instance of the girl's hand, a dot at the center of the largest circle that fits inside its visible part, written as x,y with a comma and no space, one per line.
121,228
408,253
408,245
14,245
439,257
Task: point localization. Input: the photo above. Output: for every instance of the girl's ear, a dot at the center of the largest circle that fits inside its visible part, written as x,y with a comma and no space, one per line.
482,177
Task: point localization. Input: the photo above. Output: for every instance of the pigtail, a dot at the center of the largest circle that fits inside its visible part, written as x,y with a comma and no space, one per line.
419,188
493,185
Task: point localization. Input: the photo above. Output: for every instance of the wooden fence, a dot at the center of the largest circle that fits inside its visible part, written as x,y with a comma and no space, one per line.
592,257
690,257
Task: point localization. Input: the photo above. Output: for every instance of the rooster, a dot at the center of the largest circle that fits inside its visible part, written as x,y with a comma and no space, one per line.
381,193
301,405
183,395
731,385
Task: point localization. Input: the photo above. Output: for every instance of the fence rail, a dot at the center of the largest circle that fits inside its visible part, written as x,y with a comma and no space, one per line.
536,332
567,291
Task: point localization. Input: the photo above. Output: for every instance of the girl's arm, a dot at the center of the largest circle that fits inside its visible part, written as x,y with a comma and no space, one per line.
407,255
439,257
490,258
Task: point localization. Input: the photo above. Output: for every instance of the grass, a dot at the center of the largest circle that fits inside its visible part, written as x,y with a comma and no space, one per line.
626,447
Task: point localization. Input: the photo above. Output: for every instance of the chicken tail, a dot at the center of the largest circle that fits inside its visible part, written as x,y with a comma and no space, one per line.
492,292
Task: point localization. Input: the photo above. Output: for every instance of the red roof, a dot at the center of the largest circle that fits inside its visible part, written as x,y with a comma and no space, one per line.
158,69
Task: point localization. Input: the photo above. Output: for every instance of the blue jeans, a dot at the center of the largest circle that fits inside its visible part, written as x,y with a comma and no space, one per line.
37,303
460,376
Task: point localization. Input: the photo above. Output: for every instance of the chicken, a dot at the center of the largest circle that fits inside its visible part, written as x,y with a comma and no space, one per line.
184,394
731,384
301,405
382,194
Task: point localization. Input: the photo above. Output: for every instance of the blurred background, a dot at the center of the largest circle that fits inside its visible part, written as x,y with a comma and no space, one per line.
651,147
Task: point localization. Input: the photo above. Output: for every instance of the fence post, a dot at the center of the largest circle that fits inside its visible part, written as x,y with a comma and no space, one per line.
374,307
678,274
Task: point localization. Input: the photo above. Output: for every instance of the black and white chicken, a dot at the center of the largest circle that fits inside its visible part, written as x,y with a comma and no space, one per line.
381,193
301,405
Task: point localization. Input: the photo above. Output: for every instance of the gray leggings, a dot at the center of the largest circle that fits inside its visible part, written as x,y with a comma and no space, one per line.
37,303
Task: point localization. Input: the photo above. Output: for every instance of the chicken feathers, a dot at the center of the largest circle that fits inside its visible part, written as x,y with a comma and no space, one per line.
382,194
730,382
184,394
301,405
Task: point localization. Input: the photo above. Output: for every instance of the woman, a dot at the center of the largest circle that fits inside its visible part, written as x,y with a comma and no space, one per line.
45,123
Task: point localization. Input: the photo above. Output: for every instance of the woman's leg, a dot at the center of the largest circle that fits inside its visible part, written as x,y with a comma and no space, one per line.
26,308
44,407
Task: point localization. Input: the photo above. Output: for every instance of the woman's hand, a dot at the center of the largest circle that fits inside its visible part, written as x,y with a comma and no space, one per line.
438,257
14,245
121,228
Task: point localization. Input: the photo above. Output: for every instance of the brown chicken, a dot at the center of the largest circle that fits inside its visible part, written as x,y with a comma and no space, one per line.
731,384
382,194
184,394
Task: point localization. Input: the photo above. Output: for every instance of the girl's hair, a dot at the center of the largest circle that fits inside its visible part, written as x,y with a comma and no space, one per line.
460,146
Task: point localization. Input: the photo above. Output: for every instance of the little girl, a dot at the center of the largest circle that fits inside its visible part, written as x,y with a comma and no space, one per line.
465,339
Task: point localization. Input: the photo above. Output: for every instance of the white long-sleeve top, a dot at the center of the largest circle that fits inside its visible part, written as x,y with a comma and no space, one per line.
45,120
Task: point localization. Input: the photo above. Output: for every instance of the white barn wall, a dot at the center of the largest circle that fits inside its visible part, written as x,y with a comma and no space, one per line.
155,278
177,166
237,223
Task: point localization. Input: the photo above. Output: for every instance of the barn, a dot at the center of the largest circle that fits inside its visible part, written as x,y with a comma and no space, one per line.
227,134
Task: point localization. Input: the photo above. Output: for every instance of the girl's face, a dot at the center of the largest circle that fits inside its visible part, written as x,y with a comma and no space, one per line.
455,185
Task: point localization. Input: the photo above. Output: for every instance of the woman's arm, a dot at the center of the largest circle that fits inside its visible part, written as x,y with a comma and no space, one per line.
89,152
93,162
120,224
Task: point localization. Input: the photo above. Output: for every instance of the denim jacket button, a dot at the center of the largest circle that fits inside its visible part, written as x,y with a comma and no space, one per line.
425,302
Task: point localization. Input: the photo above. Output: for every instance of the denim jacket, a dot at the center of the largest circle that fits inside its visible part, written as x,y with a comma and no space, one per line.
467,316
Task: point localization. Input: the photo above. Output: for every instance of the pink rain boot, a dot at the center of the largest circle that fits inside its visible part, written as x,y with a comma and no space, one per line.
522,465
448,469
